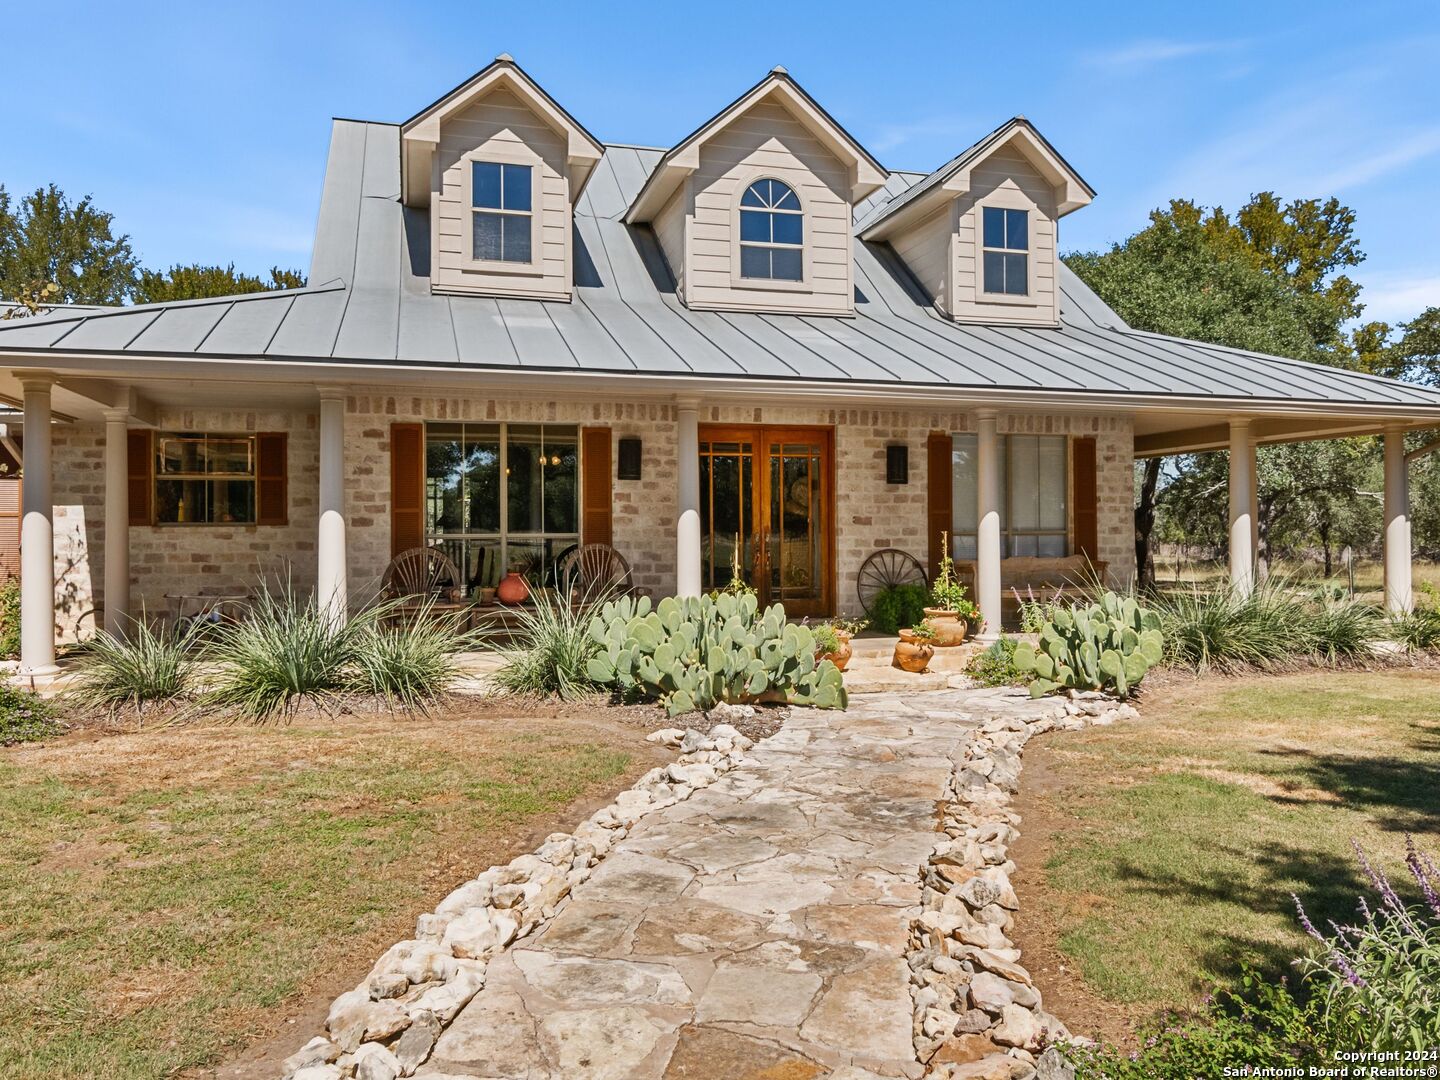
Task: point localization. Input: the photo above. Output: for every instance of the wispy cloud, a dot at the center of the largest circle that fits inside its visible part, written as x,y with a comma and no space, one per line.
963,128
1398,297
1400,153
1152,51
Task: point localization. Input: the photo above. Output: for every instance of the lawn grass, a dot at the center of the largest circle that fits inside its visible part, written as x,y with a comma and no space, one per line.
1176,840
163,894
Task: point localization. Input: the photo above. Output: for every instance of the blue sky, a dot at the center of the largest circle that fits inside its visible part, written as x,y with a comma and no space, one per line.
204,127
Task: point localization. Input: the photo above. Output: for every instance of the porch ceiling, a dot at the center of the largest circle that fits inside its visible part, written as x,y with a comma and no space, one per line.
1161,434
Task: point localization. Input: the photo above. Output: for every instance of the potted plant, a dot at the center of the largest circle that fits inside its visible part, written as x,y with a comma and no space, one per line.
514,589
915,647
952,613
832,640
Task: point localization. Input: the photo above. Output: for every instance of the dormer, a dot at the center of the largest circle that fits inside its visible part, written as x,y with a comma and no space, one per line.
499,165
981,233
753,209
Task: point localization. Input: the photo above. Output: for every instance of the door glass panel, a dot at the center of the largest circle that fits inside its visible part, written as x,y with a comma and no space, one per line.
726,512
795,543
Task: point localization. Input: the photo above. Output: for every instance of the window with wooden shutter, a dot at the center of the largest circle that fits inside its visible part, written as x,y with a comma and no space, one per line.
407,487
938,481
141,468
1086,497
596,525
272,478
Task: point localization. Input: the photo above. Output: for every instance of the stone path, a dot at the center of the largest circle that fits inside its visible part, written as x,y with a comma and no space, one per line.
756,930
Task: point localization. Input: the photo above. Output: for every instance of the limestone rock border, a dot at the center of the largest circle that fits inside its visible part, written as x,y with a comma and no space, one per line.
387,1026
978,1014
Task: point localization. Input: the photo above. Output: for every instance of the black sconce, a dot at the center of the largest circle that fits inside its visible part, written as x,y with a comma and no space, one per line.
897,464
628,467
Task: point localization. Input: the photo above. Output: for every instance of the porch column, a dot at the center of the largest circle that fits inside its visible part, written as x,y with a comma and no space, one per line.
1399,597
687,524
1242,507
987,548
117,521
37,535
330,576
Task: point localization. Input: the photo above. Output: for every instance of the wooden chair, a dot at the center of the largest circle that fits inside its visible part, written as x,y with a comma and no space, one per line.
421,573
593,570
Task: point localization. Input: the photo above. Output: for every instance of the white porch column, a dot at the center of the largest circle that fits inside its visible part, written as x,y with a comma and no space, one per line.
687,524
330,578
987,549
1399,597
1242,507
117,521
37,534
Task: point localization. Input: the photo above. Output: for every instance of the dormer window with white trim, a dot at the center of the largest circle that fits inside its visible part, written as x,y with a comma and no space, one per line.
1006,237
772,232
502,212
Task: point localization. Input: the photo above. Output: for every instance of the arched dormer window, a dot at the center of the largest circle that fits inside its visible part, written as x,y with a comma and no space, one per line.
772,232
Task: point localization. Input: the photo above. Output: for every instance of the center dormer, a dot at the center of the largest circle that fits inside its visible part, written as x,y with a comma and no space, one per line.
499,165
753,210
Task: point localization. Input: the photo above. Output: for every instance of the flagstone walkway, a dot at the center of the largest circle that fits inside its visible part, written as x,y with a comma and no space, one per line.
756,930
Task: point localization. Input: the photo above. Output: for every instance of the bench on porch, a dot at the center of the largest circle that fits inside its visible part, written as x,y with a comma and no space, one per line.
1042,575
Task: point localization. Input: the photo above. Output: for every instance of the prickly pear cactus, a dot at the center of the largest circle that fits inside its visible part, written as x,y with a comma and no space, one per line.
1109,645
694,652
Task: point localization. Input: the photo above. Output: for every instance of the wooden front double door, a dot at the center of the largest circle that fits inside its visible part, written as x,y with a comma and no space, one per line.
767,508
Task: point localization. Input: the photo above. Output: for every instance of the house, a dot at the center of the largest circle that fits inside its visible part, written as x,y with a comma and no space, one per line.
759,346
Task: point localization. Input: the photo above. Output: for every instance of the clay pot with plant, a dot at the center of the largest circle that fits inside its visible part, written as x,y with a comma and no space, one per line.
915,648
833,645
952,614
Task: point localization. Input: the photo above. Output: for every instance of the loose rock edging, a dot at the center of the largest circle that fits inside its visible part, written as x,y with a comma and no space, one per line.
978,1014
387,1026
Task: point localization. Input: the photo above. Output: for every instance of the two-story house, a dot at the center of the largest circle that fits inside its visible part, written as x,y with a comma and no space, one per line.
759,347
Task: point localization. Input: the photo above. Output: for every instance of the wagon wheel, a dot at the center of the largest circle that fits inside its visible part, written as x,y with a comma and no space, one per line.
885,569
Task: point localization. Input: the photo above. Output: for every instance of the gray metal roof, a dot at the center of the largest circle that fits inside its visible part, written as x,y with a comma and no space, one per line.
372,303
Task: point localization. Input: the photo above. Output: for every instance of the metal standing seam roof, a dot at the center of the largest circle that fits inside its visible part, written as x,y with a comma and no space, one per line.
372,303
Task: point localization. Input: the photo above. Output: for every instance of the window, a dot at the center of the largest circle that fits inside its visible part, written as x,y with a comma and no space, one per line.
501,497
772,232
1034,495
204,479
503,217
1006,251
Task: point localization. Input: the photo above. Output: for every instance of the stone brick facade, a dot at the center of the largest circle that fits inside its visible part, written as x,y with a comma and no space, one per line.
869,513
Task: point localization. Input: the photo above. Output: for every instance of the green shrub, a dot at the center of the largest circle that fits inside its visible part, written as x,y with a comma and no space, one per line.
24,716
148,665
827,639
1419,630
284,653
408,660
550,646
694,652
1108,645
995,666
1341,630
1372,987
10,619
1275,627
897,606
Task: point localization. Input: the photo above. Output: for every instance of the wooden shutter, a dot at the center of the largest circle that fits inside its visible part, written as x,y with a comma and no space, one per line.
407,487
9,526
940,496
272,478
141,468
595,510
1086,511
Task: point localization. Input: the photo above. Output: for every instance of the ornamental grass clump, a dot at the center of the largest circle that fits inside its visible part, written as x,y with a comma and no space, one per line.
549,651
286,652
408,659
146,666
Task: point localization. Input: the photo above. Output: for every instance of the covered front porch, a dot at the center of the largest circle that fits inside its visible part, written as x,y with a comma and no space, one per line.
326,482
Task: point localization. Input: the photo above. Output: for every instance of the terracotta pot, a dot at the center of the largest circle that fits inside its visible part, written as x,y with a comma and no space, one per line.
513,589
841,656
487,596
912,655
950,628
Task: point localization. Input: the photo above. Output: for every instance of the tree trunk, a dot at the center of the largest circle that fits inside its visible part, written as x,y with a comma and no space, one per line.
1324,530
1145,523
